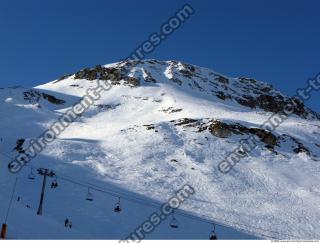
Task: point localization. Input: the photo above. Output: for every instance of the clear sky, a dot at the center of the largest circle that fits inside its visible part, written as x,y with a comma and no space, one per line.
270,40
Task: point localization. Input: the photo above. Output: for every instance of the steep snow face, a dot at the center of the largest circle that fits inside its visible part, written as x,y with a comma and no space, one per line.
160,126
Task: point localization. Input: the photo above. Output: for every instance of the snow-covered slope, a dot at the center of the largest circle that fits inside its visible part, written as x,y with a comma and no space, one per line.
159,127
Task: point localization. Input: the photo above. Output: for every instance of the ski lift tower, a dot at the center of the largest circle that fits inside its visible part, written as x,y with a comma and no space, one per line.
45,173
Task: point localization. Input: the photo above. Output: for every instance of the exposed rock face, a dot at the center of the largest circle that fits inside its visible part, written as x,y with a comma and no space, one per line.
115,75
220,129
244,91
187,70
34,96
63,78
177,81
267,137
247,100
19,146
222,79
150,127
221,95
297,147
225,130
107,107
148,77
170,110
266,98
184,121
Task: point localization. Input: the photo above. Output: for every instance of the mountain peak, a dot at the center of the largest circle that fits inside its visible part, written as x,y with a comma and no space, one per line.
164,124
243,91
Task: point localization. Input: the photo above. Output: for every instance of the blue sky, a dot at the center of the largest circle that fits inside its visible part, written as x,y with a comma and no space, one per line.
274,41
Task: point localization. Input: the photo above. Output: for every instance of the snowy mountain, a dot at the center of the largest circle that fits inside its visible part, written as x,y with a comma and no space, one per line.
162,125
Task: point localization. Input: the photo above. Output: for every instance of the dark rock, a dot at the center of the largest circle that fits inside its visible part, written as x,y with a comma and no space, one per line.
149,77
184,121
149,127
63,78
271,103
223,130
188,67
196,84
106,107
298,146
299,150
19,146
249,80
220,129
177,81
265,136
171,110
115,75
53,99
248,101
266,89
132,81
186,73
34,96
221,95
221,79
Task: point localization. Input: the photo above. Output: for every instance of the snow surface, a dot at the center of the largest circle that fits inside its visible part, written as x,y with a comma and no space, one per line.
264,196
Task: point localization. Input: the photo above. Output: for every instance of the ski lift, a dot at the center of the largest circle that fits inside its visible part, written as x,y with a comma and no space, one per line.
89,196
31,175
117,207
174,222
54,184
213,235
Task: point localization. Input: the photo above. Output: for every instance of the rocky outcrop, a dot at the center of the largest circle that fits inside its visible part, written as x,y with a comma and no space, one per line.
221,79
247,92
220,129
19,146
63,78
184,122
187,70
107,107
148,77
258,95
297,146
225,130
33,96
114,75
170,110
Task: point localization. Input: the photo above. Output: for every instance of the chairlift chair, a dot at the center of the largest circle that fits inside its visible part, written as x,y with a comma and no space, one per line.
54,184
174,222
117,207
89,196
213,235
31,175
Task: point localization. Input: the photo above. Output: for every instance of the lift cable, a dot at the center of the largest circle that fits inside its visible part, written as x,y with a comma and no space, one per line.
11,199
205,218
